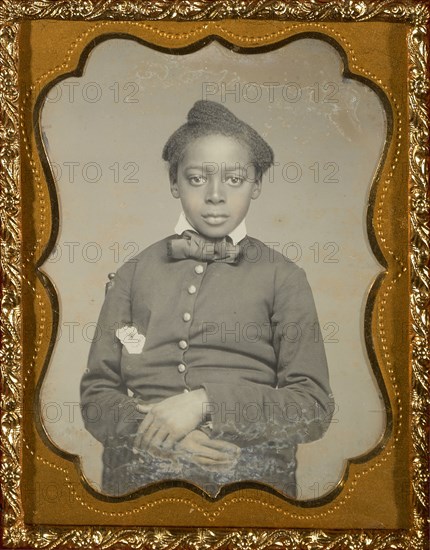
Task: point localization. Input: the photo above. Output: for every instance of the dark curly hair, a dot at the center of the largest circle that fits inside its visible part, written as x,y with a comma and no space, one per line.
206,118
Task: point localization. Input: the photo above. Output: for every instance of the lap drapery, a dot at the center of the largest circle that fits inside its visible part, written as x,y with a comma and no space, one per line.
126,471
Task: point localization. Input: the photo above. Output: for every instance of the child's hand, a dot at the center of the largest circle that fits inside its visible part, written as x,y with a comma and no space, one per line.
169,421
211,454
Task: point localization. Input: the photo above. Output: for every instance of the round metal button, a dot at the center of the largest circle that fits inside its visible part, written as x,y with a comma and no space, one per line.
199,269
186,390
192,289
181,367
186,316
183,344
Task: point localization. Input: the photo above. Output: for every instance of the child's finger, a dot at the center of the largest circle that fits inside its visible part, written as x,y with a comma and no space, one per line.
197,450
146,423
137,443
169,442
214,456
143,408
148,436
205,461
143,427
156,443
214,465
223,446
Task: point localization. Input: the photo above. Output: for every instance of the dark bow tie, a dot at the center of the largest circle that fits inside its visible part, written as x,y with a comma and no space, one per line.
194,245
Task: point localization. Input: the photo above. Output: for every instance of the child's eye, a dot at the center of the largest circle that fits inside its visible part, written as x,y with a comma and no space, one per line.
197,180
234,181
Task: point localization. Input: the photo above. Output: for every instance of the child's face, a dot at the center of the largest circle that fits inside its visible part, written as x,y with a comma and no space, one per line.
216,181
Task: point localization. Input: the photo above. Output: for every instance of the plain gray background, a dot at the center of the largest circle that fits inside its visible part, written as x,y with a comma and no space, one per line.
104,133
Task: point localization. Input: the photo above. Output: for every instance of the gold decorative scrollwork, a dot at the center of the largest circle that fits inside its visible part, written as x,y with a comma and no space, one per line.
16,533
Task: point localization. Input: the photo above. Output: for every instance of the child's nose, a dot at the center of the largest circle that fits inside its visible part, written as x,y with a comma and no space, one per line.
215,191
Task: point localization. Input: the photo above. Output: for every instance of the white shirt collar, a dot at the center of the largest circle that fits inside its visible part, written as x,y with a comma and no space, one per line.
236,235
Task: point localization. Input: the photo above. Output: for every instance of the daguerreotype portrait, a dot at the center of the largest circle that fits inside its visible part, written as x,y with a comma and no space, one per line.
215,272
198,385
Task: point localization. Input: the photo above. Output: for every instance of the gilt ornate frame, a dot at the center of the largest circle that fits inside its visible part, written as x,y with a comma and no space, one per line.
168,18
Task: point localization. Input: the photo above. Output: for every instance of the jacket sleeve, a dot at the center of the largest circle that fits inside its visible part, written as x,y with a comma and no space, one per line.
300,407
107,409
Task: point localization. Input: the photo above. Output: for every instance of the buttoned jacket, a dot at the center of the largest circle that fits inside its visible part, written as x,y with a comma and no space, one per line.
246,332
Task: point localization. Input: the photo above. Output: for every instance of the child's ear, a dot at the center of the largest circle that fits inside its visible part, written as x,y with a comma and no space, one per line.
174,189
256,189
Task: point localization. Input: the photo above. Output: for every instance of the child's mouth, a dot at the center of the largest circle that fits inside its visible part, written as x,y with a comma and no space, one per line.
215,219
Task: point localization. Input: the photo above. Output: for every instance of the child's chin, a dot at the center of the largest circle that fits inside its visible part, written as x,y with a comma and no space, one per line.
214,234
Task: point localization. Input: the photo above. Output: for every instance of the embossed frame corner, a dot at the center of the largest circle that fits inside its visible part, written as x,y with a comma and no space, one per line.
16,533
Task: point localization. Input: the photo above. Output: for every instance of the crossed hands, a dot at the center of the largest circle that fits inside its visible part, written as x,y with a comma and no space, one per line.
169,431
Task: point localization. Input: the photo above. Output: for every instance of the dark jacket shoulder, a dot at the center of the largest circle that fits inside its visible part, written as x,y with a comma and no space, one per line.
154,252
271,254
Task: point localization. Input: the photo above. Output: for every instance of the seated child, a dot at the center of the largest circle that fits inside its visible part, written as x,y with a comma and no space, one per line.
208,366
